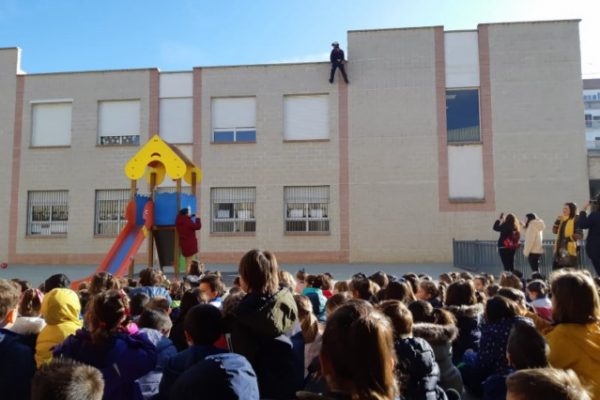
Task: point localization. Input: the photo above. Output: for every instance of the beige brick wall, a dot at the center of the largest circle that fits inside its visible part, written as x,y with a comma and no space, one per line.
8,86
270,163
539,135
83,167
393,146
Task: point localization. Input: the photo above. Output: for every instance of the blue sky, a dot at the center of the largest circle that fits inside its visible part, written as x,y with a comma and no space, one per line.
57,35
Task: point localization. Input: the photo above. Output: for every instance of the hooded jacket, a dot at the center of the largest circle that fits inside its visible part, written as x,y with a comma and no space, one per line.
29,328
260,331
17,366
468,322
440,338
533,237
164,350
122,359
577,347
60,309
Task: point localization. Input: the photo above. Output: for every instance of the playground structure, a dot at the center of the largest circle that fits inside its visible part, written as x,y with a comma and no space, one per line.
152,217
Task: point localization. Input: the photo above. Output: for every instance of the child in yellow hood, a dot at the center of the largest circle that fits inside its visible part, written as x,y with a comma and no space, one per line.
575,340
60,309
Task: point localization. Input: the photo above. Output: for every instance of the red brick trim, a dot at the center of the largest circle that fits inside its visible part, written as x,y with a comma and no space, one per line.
16,169
153,104
344,179
445,204
197,132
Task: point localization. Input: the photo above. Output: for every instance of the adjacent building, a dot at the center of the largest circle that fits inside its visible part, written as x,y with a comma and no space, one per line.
437,133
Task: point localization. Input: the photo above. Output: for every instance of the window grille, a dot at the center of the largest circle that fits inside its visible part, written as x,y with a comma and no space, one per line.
110,211
306,208
233,210
47,213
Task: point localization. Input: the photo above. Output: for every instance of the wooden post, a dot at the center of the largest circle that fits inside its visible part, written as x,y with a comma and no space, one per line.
176,250
132,194
151,230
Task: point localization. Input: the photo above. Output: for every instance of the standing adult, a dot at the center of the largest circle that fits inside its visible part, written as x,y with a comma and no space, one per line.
533,248
567,233
591,222
508,242
337,61
186,229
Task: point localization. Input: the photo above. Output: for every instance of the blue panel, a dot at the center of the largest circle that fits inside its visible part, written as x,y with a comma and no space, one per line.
223,137
248,136
140,202
165,207
462,109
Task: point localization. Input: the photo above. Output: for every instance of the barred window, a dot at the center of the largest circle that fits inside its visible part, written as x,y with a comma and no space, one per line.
47,213
110,211
306,208
233,210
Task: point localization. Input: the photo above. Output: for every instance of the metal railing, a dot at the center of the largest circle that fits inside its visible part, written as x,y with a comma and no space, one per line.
482,255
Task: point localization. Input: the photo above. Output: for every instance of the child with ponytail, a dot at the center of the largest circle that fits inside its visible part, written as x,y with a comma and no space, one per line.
29,323
105,344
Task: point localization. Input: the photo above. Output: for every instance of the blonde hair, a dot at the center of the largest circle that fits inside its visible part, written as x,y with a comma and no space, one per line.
546,384
308,320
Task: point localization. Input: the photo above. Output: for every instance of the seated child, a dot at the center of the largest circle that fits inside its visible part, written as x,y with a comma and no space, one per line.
537,291
67,380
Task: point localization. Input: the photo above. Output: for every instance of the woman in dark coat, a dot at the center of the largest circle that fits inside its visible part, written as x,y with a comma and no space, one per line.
186,229
509,239
591,222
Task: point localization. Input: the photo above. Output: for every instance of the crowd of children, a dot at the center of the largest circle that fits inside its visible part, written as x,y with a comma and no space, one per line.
273,336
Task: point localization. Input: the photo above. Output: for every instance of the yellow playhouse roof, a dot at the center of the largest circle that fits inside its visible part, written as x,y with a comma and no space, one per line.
164,159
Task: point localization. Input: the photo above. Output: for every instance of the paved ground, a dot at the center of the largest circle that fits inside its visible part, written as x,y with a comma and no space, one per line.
36,274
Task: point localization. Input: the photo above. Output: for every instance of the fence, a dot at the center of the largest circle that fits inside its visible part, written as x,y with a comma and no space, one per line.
482,255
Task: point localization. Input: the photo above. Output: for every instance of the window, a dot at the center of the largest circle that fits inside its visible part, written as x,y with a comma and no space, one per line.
306,208
176,120
234,120
110,211
233,209
47,213
119,122
51,124
594,188
306,117
462,115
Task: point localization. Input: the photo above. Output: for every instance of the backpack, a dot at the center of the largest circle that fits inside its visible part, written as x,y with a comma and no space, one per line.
512,240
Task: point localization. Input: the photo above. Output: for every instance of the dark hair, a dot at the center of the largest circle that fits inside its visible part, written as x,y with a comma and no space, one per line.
66,379
138,303
413,281
400,316
430,287
301,275
421,311
509,279
498,308
9,297
149,277
461,293
258,269
380,278
106,313
336,301
546,384
526,347
399,291
159,303
155,319
327,282
572,209
215,283
56,281
190,299
513,294
31,303
492,290
204,324
358,347
363,287
511,221
183,211
84,299
530,217
574,298
538,286
195,268
103,281
231,302
22,283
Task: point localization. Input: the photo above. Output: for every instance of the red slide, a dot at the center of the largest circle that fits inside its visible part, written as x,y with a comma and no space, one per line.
127,244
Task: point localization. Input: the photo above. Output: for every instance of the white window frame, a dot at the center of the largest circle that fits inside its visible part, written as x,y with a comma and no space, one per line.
37,132
47,213
306,209
105,220
218,127
120,138
233,210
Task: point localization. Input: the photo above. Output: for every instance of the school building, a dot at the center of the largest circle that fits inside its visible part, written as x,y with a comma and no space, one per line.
436,134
